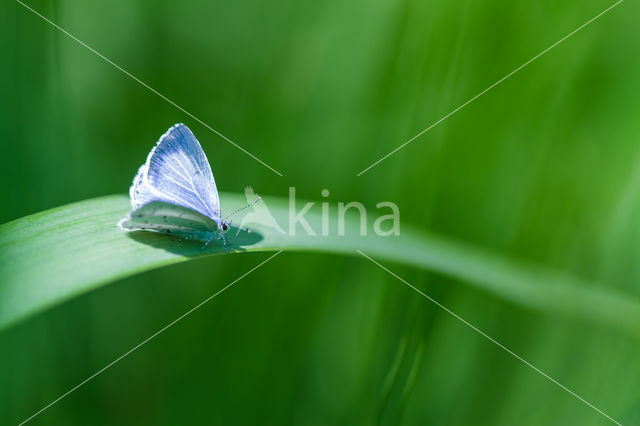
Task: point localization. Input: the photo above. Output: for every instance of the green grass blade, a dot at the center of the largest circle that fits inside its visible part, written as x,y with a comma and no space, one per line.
52,256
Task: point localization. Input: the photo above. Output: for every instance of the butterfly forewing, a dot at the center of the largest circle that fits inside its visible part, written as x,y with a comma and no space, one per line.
177,172
171,219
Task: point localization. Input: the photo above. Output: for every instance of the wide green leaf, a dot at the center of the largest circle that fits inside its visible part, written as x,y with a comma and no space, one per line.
52,256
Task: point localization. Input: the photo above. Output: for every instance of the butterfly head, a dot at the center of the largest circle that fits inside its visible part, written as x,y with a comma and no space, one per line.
223,227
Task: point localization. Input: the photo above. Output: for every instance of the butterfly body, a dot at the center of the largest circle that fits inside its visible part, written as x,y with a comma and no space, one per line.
174,192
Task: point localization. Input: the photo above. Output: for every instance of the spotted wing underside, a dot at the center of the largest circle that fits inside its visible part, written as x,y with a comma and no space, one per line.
158,216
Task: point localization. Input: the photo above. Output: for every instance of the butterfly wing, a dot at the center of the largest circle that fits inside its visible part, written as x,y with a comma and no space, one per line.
177,172
171,219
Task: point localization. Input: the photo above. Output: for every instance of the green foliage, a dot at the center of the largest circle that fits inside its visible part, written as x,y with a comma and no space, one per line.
52,256
524,206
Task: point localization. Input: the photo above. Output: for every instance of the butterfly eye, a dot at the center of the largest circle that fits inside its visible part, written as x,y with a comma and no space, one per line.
224,226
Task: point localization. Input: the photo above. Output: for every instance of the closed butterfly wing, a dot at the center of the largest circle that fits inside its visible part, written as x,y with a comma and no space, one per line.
171,219
177,172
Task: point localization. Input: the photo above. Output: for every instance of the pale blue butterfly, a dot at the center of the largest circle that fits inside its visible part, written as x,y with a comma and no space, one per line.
174,191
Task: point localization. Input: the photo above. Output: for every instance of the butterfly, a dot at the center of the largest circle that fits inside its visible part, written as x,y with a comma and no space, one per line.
174,192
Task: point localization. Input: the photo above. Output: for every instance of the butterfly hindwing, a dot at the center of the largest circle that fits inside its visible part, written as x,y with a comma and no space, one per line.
177,172
171,219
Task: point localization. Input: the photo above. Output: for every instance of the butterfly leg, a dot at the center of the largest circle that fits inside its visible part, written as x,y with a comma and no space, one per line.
204,246
224,244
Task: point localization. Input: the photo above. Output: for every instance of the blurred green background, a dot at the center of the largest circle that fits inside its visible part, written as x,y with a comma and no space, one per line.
545,168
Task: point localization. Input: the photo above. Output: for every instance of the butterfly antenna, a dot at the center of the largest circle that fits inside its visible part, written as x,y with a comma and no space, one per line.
239,210
240,228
